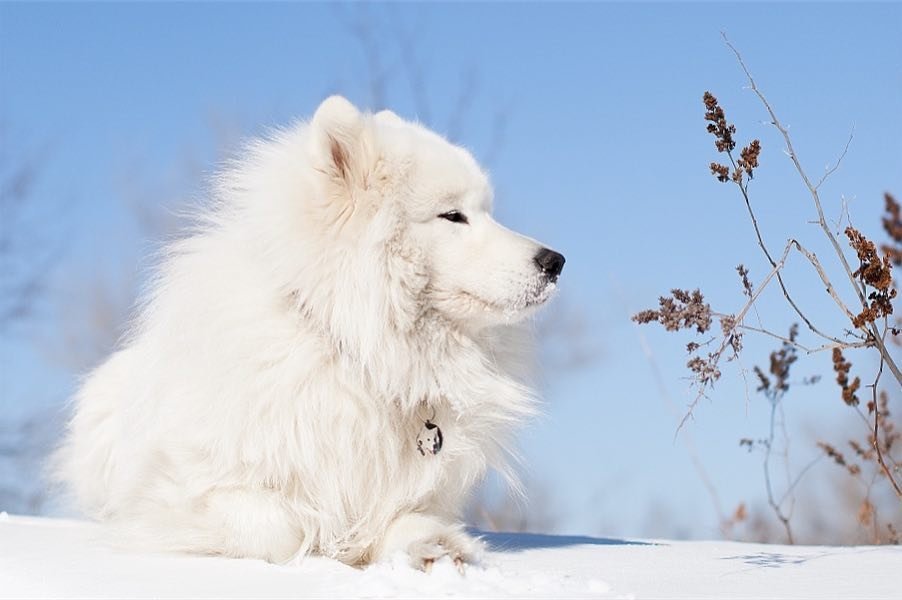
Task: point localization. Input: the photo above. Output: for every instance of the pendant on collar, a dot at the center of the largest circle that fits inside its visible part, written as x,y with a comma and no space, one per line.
430,439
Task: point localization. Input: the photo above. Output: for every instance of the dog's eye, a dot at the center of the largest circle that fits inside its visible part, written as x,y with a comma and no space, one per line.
455,216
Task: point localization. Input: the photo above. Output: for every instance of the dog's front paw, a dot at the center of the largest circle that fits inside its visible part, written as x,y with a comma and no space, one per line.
452,542
427,539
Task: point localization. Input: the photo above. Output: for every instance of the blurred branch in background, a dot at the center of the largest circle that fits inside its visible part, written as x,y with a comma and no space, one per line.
28,255
26,258
394,69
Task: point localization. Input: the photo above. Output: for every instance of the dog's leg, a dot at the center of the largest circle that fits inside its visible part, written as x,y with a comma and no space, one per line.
427,539
245,523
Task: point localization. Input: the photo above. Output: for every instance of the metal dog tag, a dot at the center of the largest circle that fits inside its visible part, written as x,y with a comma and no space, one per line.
430,439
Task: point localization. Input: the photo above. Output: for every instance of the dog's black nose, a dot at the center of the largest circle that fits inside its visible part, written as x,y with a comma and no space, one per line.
550,262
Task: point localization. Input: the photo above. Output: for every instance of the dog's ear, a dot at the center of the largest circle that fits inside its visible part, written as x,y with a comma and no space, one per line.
338,130
387,116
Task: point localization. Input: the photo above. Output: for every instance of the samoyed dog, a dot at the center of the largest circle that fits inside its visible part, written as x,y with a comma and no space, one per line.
326,364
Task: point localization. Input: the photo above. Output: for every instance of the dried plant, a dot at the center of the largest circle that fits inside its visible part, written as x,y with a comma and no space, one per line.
842,366
892,224
774,387
874,272
865,329
871,459
682,310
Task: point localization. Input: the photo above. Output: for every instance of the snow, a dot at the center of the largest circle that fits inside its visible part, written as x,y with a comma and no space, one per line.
41,558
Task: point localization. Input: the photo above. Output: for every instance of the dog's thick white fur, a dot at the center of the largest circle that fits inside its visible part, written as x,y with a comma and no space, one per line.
346,284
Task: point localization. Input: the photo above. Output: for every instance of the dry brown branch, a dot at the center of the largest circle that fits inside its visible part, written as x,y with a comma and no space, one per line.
774,385
812,258
776,507
873,284
737,319
683,310
724,522
875,449
870,329
802,347
743,188
774,390
876,442
892,224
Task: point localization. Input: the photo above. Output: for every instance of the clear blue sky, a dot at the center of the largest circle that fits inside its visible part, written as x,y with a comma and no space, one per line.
604,156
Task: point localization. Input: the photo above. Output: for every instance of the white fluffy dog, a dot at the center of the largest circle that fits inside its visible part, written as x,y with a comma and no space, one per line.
326,364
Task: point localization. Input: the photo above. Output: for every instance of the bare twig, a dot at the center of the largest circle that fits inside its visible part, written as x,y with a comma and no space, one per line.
715,357
768,449
802,347
745,383
869,328
831,170
799,477
812,258
739,316
748,204
880,460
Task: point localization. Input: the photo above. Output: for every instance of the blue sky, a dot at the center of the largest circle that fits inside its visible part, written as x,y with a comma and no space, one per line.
604,156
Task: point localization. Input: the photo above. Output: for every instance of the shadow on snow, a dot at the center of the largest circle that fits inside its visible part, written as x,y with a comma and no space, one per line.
516,542
774,560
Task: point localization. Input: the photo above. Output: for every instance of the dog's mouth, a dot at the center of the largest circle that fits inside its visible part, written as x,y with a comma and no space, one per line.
533,295
537,295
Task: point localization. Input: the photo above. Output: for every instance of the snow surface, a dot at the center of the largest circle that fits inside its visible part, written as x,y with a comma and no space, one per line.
41,558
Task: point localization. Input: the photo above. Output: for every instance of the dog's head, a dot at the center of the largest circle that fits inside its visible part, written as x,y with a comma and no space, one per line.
432,203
